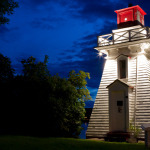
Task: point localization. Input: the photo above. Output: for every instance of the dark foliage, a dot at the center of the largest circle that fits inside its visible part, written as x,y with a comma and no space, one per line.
6,71
38,104
6,8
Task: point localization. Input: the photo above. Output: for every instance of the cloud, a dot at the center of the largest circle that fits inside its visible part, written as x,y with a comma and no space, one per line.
43,2
3,29
6,32
40,24
84,57
93,10
89,10
47,22
38,2
88,42
35,3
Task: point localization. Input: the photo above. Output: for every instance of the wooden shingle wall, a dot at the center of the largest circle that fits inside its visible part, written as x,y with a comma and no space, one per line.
99,121
140,99
143,93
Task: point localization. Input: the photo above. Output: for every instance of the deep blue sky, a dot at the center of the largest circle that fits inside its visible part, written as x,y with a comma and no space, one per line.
66,31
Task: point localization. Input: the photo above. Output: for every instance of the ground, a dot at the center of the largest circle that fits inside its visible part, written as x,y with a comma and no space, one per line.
32,143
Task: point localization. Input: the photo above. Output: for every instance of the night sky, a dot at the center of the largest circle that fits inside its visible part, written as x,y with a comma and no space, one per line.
66,31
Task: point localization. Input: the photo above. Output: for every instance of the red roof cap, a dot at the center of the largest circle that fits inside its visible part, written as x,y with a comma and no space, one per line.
137,6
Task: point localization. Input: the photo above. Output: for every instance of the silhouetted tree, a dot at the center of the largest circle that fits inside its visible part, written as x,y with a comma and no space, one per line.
6,8
35,70
6,70
39,104
6,94
58,103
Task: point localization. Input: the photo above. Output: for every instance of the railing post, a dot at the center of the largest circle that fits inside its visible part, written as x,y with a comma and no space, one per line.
147,32
113,41
97,40
129,35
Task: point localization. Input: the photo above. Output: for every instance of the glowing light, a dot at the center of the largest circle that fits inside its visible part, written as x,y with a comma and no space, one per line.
100,54
103,53
125,19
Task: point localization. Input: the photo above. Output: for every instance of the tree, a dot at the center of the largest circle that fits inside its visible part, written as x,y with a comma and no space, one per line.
6,71
78,80
6,77
68,111
60,101
44,105
35,70
6,8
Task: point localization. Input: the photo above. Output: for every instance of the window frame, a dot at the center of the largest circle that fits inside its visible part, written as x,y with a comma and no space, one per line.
119,59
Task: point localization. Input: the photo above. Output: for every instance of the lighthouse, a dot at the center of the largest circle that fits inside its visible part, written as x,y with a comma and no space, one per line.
123,97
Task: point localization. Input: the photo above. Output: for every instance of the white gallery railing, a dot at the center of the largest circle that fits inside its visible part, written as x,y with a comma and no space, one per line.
124,36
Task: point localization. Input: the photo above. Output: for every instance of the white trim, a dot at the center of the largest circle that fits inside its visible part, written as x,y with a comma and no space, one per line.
120,45
127,28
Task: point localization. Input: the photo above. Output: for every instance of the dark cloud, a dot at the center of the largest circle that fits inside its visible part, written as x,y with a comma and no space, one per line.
3,29
40,24
91,10
6,31
43,2
88,42
48,22
52,19
39,1
36,2
86,58
70,51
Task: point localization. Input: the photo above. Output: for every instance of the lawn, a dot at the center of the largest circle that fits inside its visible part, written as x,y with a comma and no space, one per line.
31,143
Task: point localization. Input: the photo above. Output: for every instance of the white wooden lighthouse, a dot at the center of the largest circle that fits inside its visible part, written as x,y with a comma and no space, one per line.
124,92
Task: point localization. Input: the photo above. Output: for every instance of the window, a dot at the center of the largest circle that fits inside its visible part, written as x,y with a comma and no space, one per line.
122,67
126,16
120,104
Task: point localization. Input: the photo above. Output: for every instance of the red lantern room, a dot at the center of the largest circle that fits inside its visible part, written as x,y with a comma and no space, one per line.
130,16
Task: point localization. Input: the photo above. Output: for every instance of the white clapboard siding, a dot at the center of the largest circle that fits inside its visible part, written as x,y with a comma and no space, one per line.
132,82
99,120
142,113
138,97
143,93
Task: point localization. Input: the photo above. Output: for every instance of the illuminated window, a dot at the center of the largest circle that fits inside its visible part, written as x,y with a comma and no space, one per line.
126,16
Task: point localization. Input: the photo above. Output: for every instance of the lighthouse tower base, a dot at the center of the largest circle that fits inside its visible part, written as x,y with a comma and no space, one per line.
135,107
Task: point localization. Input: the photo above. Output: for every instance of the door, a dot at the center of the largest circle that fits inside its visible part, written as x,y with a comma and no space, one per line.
117,111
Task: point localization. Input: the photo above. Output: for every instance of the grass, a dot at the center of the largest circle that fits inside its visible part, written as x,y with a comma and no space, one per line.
32,143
